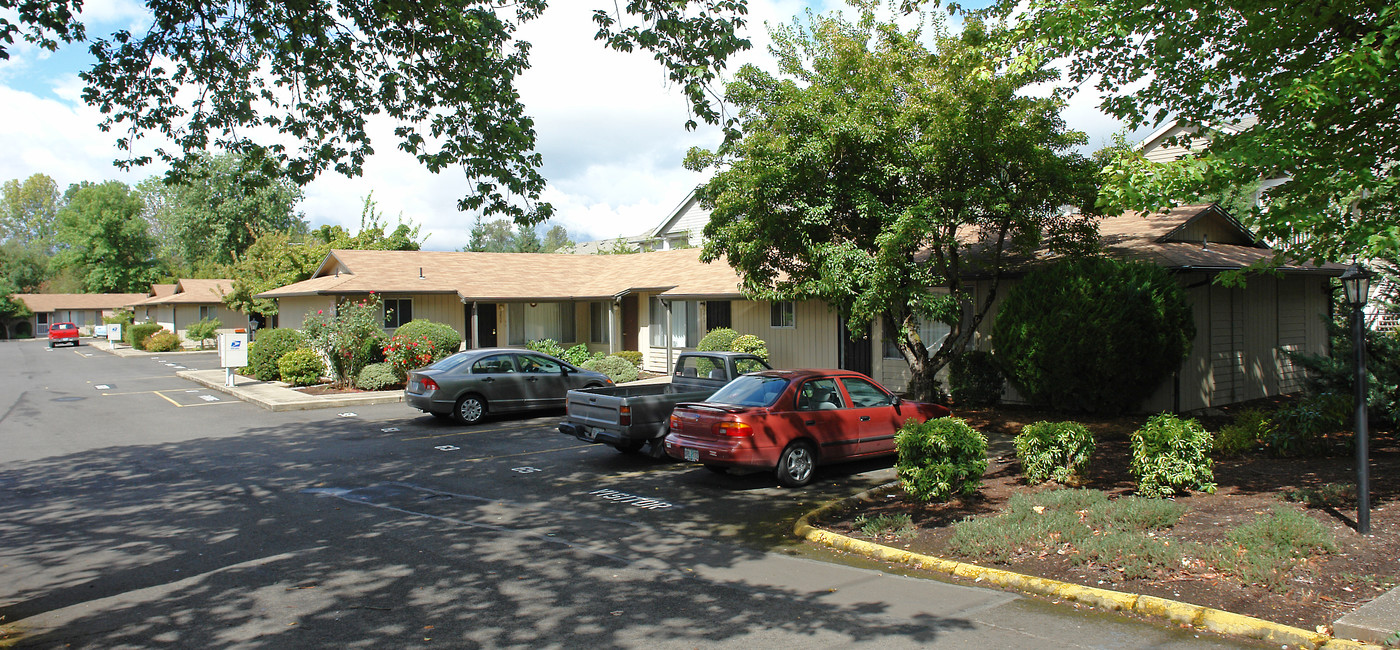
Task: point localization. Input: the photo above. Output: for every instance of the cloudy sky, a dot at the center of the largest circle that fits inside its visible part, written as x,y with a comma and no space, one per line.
609,126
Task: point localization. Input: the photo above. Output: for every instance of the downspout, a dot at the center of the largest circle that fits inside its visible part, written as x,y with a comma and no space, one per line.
613,343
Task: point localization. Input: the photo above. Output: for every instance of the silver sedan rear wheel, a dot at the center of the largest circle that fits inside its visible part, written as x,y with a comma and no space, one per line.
470,409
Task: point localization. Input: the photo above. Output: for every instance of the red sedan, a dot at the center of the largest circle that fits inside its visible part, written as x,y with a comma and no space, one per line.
790,421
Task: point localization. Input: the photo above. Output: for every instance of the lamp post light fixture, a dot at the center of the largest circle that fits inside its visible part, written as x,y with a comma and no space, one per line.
1356,282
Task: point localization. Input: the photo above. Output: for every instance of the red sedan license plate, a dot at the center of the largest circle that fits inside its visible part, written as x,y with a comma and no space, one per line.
692,455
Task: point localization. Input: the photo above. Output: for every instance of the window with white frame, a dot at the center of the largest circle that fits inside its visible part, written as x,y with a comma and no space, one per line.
782,313
397,312
598,329
543,320
930,332
685,323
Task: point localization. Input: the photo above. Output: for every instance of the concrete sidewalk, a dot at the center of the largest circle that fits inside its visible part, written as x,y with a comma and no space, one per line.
1373,622
276,396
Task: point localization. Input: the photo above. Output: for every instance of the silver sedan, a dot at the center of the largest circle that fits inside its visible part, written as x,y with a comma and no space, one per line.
470,384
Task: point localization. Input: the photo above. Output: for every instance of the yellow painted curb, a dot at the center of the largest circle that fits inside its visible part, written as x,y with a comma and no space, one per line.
1214,620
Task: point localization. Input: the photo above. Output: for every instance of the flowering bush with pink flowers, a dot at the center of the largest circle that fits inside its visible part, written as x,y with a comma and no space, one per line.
407,353
341,336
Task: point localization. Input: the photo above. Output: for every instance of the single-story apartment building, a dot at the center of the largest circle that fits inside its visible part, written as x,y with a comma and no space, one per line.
663,302
82,309
177,306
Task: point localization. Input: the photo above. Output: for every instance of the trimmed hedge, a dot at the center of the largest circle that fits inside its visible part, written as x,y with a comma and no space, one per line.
632,356
445,339
618,369
301,367
975,380
720,339
268,348
1093,334
136,335
376,376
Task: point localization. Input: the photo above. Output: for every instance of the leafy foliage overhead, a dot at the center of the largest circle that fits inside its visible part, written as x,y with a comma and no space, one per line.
1301,90
206,75
872,167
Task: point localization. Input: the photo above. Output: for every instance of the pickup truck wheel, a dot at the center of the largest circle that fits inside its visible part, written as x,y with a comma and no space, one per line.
630,446
471,409
796,465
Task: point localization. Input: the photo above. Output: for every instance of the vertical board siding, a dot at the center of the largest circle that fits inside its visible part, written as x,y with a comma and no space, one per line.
1226,346
1292,332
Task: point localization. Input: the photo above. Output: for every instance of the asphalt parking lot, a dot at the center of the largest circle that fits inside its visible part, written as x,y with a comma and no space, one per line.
141,510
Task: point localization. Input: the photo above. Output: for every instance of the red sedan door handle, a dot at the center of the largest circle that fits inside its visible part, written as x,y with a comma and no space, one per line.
865,418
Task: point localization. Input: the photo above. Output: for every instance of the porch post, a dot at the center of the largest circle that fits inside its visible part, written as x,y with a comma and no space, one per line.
614,345
668,335
476,338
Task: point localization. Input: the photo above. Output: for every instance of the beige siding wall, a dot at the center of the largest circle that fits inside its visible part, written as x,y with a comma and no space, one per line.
1211,231
445,308
1237,354
1174,152
292,311
182,316
811,343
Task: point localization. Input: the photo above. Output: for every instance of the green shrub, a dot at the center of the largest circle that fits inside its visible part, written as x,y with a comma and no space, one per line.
1171,455
1243,433
896,526
301,367
445,339
162,341
752,345
376,376
632,356
720,339
136,335
205,330
1057,451
268,348
372,349
579,353
618,369
975,380
1335,372
1302,427
547,346
1093,334
940,458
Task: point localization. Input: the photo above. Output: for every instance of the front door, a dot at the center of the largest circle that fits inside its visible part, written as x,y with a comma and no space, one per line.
486,324
630,324
855,355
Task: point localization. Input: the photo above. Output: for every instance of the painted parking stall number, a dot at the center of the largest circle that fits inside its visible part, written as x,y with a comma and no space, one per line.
526,470
633,500
346,415
209,398
389,429
447,448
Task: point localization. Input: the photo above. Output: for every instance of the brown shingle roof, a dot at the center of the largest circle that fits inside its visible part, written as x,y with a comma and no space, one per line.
194,292
519,276
48,302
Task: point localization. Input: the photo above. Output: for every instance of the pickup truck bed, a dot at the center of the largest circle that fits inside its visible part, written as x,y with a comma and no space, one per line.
63,333
629,417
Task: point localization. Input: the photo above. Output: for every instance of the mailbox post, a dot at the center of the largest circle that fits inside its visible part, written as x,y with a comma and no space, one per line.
233,353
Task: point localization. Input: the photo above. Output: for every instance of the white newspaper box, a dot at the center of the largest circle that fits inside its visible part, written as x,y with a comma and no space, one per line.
114,334
233,354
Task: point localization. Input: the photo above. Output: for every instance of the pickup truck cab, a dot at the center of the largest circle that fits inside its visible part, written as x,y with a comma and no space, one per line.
629,417
63,333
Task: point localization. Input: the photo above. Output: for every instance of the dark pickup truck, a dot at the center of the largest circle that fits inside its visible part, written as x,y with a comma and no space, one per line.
628,417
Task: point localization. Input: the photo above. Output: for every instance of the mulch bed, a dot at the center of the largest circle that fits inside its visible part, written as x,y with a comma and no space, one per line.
1325,588
328,389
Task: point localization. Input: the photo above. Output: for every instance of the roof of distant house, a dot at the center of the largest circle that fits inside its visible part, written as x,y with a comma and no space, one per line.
50,302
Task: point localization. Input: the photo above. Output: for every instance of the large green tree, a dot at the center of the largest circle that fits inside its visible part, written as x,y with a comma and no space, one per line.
105,239
29,212
877,173
208,74
216,211
1307,88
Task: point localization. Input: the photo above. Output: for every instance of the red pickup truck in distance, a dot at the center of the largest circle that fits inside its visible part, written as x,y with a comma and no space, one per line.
60,333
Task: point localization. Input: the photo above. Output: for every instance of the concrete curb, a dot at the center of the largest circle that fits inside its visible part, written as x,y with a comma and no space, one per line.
275,400
1214,620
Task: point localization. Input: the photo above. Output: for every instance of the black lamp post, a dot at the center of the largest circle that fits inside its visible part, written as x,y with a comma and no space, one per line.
1356,282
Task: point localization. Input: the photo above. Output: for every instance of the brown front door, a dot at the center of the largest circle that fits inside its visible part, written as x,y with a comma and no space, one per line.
630,326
